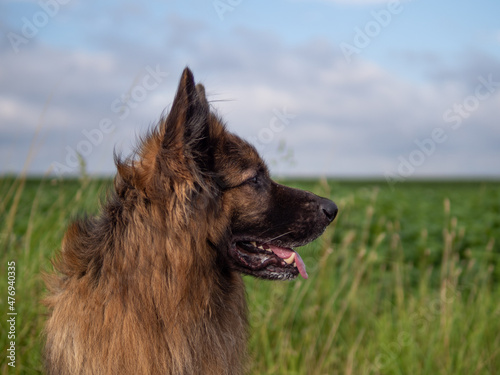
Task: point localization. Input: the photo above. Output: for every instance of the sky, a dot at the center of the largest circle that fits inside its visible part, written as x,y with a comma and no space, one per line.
335,88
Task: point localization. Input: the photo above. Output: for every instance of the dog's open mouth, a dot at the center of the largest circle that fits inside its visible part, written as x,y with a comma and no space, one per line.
267,261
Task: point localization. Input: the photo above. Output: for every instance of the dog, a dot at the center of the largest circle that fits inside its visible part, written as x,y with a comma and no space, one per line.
153,284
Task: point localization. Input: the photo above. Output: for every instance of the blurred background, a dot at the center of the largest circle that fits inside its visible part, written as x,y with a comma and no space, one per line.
337,88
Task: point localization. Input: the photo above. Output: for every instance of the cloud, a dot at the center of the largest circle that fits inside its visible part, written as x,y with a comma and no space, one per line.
343,119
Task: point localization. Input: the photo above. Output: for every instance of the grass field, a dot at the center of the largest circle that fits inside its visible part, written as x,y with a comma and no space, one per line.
405,282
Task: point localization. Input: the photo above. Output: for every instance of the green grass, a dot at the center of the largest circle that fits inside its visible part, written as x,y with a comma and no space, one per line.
405,282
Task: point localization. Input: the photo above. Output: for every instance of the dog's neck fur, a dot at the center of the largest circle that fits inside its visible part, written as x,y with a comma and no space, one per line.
162,285
146,284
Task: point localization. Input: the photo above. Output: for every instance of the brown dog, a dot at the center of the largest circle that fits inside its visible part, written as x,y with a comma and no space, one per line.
153,284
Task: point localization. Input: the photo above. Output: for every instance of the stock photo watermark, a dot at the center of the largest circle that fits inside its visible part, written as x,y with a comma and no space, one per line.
277,124
223,6
454,117
122,107
461,111
267,135
11,313
363,36
31,26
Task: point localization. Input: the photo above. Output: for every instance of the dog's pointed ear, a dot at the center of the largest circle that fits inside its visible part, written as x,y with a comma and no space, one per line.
187,133
182,110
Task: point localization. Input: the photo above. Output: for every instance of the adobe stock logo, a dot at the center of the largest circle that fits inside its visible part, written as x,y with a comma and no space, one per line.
277,124
122,107
364,36
455,115
31,26
223,6
460,111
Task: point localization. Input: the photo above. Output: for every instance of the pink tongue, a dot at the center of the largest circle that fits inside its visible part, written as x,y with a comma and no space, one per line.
284,253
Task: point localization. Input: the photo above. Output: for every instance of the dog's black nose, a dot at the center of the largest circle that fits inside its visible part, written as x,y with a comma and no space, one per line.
329,208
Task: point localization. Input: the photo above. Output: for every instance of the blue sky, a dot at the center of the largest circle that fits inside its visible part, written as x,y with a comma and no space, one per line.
420,96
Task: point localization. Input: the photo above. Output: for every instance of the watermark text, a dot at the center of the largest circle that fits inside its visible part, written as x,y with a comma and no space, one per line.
11,313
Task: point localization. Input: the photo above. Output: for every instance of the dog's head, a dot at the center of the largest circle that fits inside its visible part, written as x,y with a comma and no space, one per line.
254,223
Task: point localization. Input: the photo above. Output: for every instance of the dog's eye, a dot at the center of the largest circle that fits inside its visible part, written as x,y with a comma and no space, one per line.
254,180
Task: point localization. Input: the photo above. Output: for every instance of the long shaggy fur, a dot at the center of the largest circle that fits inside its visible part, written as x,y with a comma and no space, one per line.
153,284
142,289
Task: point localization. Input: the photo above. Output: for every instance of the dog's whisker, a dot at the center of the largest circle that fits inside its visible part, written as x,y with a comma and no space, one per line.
279,236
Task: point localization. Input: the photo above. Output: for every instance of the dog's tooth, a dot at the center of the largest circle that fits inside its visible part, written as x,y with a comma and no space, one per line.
253,244
266,248
291,259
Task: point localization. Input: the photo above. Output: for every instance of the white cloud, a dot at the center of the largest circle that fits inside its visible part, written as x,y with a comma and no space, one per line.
350,119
